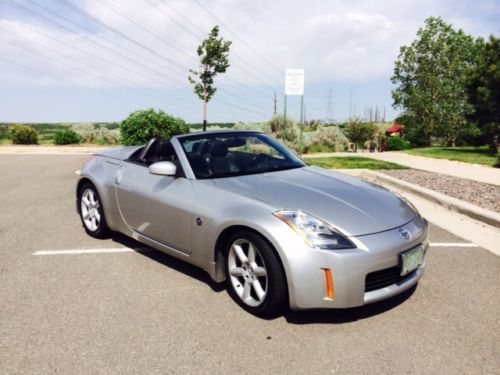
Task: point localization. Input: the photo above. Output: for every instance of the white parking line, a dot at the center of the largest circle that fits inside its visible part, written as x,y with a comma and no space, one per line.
442,244
90,251
143,249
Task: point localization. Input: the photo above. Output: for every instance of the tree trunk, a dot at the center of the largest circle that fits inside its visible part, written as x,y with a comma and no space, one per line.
205,110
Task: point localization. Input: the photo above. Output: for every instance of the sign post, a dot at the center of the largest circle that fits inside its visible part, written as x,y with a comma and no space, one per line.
294,85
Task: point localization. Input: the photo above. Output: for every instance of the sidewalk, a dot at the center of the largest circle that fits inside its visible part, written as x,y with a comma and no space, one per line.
468,171
50,150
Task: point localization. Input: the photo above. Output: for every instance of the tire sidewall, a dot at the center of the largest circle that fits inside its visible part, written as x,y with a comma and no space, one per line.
274,302
102,230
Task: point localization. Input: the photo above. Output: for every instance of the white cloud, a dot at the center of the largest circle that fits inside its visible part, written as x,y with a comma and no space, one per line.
334,41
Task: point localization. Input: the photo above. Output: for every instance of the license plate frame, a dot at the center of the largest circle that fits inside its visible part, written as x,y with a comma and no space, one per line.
411,260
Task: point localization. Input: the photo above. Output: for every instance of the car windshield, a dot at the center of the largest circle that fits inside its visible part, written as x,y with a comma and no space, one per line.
236,154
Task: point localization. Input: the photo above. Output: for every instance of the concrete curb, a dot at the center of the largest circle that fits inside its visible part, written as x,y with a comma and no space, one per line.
453,204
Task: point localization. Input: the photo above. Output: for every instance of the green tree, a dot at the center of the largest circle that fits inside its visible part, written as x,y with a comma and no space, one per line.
214,59
359,132
484,92
141,126
431,78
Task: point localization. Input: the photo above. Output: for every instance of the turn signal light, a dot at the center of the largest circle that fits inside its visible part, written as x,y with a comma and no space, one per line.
330,293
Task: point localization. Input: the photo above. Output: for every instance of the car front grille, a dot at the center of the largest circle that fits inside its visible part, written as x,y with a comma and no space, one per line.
381,279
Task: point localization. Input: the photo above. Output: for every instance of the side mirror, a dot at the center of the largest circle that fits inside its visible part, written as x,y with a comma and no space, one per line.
163,168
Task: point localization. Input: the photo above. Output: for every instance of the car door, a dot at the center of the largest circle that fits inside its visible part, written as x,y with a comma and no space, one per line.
158,207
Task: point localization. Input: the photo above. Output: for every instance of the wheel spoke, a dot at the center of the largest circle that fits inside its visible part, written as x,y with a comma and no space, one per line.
236,271
260,271
91,198
251,253
96,204
86,216
246,290
86,201
240,253
97,215
258,290
94,223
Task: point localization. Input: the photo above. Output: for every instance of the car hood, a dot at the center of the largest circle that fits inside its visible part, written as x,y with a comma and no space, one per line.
349,204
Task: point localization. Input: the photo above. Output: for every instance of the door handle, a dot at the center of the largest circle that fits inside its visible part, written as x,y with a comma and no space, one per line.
119,175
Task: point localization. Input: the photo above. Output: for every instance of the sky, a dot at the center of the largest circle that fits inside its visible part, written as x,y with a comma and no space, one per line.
100,60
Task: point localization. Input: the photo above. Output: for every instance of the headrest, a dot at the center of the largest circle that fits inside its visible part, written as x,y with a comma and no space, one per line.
219,149
167,148
235,142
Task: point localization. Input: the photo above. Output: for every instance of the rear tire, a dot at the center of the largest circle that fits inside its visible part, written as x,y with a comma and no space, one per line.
91,212
254,275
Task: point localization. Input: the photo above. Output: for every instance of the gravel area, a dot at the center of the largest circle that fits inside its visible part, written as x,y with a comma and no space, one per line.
478,193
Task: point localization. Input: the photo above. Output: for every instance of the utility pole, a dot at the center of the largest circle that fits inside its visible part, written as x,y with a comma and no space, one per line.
275,105
350,102
329,108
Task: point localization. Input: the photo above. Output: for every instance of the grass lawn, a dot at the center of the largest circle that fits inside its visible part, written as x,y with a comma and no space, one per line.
476,155
352,162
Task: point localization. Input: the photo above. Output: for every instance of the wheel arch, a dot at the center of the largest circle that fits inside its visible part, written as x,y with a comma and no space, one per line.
222,242
105,199
80,183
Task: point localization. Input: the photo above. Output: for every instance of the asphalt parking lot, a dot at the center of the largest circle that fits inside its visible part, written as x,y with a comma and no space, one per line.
145,312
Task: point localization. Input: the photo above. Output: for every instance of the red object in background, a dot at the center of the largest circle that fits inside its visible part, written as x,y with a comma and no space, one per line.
395,128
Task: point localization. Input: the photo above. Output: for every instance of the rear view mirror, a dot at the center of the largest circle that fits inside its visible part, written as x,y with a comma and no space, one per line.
163,168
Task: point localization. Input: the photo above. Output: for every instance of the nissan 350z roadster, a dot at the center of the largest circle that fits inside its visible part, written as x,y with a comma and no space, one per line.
250,212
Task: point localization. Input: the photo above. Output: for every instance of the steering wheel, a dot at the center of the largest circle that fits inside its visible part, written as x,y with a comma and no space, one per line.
258,161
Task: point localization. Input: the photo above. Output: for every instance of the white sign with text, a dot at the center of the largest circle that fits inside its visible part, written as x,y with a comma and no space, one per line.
294,82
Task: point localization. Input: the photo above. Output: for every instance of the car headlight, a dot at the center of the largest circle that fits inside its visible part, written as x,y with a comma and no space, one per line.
315,232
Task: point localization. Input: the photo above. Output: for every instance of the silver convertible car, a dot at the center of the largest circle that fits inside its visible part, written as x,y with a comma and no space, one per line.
250,212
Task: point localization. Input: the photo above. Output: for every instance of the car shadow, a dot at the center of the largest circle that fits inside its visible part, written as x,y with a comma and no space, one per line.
169,261
340,316
333,316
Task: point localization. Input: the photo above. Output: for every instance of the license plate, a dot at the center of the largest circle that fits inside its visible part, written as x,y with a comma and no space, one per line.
411,260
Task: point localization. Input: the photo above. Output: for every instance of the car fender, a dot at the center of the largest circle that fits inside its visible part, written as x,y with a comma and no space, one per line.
101,173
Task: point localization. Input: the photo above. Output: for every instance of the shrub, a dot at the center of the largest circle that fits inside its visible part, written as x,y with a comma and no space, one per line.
140,126
328,138
497,164
276,126
23,135
3,131
104,136
257,126
397,143
66,136
312,125
97,134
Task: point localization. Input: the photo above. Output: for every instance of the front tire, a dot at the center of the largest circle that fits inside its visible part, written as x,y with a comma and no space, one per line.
254,276
91,212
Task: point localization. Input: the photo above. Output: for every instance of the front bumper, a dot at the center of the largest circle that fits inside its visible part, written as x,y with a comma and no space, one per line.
306,276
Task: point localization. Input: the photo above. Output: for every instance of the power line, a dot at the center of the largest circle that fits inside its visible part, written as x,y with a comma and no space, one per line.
104,25
107,48
203,33
66,80
58,24
131,19
237,37
83,71
246,44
